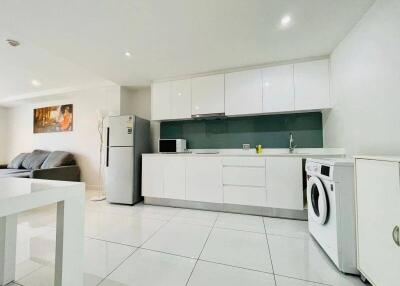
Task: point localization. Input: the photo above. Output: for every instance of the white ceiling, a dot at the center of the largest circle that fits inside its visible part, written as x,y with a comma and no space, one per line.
82,42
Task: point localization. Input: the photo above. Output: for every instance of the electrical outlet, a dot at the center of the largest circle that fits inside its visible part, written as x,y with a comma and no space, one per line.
246,146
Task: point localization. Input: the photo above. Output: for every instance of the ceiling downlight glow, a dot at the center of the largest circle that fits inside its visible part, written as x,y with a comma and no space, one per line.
128,54
286,21
35,82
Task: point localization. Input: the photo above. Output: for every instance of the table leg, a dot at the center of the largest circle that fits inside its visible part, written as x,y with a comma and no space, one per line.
8,247
69,242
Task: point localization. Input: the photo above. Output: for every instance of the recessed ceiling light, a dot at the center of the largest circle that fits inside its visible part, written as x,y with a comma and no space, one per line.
128,54
35,82
286,20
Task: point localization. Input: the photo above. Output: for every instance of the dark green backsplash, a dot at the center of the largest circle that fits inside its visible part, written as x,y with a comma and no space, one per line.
271,131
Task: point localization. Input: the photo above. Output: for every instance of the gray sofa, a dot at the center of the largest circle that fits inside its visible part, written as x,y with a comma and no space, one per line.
39,164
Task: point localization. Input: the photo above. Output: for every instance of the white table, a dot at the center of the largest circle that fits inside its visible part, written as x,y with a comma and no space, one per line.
18,195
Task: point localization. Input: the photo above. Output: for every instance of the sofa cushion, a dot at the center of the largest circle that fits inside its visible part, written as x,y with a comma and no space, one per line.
4,173
58,159
34,160
16,163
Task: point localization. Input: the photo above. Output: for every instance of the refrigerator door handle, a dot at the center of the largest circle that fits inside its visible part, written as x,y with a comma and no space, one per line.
108,147
107,156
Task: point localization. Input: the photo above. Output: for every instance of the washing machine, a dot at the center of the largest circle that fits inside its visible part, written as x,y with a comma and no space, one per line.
331,209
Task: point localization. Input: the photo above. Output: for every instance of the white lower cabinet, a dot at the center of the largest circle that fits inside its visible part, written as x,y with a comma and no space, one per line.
244,181
204,179
244,176
274,182
378,220
164,177
153,176
248,196
284,178
175,178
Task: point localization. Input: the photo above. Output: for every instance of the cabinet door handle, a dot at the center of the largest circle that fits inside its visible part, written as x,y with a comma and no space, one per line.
396,235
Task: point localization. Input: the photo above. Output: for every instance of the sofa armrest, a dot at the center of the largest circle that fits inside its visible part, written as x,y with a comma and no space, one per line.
3,166
64,173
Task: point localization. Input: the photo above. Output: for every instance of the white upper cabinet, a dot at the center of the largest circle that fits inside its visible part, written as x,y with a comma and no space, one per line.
208,94
286,88
311,81
160,100
278,89
180,99
243,92
171,100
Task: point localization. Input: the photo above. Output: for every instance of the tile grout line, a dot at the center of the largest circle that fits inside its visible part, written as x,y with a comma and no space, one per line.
269,250
136,250
300,279
212,227
235,266
28,274
204,245
122,262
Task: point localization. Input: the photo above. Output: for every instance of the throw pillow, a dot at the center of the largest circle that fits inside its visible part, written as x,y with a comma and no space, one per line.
58,159
34,160
16,163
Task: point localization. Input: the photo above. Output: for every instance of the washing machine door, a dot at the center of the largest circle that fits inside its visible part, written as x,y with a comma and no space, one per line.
318,204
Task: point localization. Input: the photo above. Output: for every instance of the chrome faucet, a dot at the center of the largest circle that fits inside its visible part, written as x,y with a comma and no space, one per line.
292,146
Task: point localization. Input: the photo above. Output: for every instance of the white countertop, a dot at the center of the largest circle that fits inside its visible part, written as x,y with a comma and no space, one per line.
388,158
277,152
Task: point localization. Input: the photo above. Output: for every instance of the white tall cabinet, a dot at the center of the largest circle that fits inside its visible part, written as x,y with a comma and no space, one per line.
243,92
208,94
278,89
378,219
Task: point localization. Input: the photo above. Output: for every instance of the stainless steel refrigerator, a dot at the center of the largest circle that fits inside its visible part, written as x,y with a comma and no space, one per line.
128,136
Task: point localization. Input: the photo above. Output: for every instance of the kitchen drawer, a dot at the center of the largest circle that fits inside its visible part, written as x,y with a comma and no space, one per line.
244,176
250,196
244,161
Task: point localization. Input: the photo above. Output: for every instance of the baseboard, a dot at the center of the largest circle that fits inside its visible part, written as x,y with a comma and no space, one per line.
250,210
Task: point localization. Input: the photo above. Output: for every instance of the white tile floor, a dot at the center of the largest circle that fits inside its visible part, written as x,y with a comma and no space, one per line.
161,246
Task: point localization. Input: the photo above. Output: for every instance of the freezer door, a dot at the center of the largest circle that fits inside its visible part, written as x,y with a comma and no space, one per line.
119,175
121,130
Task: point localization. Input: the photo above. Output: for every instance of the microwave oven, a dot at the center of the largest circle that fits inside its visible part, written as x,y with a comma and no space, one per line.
172,145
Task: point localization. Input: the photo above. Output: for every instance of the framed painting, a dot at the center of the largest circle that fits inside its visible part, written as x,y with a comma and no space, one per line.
53,119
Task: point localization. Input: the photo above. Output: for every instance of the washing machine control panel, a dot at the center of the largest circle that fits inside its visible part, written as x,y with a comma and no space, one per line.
316,169
325,170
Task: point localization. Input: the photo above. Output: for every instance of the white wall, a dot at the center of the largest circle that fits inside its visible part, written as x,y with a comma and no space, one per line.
83,141
365,118
3,135
138,101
